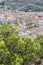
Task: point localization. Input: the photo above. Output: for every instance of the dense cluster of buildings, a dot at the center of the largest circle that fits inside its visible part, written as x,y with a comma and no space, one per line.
28,23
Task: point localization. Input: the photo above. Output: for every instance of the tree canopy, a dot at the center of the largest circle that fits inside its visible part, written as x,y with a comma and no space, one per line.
15,50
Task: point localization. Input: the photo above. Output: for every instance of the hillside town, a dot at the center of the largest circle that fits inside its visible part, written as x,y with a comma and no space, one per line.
29,24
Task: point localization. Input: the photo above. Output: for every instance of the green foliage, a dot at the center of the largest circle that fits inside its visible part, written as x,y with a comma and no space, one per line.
15,50
39,39
31,49
17,59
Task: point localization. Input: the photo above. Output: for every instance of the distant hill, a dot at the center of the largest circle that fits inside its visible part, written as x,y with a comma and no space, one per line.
30,1
15,4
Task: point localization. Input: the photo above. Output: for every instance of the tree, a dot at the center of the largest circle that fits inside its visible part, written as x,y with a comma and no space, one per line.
39,39
15,50
31,50
7,33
